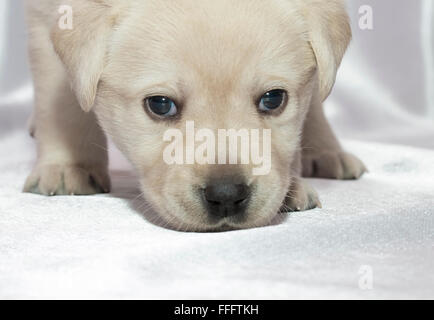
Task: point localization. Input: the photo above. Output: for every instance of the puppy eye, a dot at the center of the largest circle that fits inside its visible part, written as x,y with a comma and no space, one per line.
162,106
272,100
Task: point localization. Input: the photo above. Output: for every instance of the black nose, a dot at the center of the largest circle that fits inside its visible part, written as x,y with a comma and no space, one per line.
226,199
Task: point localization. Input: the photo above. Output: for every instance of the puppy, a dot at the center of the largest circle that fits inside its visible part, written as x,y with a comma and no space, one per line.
134,69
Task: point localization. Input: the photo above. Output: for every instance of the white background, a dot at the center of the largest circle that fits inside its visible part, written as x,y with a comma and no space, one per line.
104,247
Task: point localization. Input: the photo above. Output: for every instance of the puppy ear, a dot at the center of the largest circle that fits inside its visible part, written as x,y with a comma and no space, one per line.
83,48
329,36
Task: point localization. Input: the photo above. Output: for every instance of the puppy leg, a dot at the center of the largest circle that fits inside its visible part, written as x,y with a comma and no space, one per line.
301,196
72,156
322,155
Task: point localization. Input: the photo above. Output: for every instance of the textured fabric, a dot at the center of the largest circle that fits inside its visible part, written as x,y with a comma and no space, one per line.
380,228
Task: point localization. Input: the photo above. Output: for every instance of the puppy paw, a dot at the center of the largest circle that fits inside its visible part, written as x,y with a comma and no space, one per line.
332,165
53,180
301,197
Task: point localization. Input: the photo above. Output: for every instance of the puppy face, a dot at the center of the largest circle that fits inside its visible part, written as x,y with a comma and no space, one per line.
213,64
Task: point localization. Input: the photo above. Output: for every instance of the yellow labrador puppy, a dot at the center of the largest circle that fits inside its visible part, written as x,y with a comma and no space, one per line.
134,69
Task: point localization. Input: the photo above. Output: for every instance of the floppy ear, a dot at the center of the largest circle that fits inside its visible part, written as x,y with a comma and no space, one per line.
329,36
82,49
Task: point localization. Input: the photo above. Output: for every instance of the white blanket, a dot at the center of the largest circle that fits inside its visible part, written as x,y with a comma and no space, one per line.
374,238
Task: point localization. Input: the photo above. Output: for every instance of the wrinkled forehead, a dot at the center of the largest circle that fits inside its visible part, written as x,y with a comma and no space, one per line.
210,43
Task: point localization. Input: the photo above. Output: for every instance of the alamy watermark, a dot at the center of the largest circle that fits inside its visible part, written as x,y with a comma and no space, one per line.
226,146
366,19
66,21
366,277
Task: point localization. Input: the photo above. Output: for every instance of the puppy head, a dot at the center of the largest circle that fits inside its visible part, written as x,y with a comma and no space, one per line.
164,74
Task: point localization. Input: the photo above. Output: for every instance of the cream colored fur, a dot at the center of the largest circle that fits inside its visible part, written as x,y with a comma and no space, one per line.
216,58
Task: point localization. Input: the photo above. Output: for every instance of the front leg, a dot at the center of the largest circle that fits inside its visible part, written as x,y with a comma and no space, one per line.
72,148
322,155
301,195
72,156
